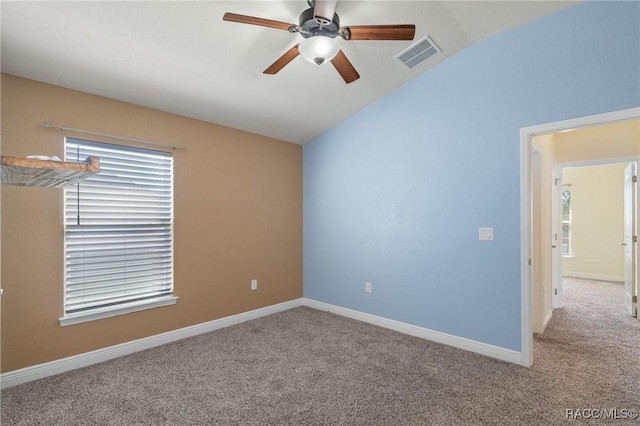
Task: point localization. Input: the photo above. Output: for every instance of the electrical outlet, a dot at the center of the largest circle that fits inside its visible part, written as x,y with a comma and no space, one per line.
367,287
254,284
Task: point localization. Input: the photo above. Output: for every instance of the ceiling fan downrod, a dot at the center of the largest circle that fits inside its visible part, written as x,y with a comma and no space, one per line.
323,10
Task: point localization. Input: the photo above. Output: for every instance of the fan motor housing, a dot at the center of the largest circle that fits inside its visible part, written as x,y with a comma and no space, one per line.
310,27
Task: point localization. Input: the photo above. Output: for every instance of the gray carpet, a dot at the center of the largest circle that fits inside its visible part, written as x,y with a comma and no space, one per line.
306,367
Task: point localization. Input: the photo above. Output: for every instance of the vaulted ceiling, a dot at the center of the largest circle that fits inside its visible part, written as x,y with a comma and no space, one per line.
181,57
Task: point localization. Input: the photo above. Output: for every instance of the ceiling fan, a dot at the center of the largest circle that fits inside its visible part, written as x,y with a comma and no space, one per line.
319,25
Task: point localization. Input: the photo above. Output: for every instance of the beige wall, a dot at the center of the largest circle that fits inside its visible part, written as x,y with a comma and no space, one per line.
597,222
238,216
600,142
593,144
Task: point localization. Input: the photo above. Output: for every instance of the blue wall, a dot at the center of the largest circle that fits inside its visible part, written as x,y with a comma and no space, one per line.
395,194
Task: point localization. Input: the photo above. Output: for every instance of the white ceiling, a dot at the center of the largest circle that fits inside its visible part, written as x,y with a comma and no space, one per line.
181,57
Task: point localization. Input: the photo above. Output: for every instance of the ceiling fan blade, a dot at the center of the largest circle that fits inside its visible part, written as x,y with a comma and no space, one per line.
380,32
283,60
345,68
243,19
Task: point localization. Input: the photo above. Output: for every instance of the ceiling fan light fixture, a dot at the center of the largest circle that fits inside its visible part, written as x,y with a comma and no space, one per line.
318,49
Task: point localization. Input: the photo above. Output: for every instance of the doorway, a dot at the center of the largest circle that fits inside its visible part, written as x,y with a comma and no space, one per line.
594,200
528,259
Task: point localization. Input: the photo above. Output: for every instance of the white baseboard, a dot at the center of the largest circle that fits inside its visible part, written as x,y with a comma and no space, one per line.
35,372
424,333
547,319
592,276
40,371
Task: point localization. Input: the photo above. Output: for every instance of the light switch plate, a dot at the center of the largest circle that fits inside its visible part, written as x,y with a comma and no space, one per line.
485,234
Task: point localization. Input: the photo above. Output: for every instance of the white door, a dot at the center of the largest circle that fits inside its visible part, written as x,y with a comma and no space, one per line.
630,290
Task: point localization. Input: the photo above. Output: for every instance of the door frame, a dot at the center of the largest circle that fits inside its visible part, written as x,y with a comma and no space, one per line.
556,238
630,231
536,275
526,149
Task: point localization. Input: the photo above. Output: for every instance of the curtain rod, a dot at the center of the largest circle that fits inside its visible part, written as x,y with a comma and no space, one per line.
89,132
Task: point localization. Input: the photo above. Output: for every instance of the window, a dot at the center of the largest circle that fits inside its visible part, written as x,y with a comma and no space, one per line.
118,232
566,221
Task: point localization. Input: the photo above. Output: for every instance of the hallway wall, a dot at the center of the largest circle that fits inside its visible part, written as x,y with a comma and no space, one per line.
597,222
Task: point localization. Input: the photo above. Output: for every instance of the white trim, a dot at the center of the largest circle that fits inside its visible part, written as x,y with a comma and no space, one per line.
40,371
547,320
526,312
35,372
592,276
556,225
526,135
583,122
112,311
424,333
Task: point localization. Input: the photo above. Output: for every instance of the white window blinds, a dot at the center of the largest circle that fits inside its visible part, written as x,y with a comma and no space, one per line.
118,227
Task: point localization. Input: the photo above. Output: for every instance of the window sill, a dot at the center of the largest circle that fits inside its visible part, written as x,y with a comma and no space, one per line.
112,311
567,256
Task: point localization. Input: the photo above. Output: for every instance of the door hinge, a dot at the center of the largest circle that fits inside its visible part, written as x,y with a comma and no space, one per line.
634,239
555,291
555,181
634,179
634,299
529,262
